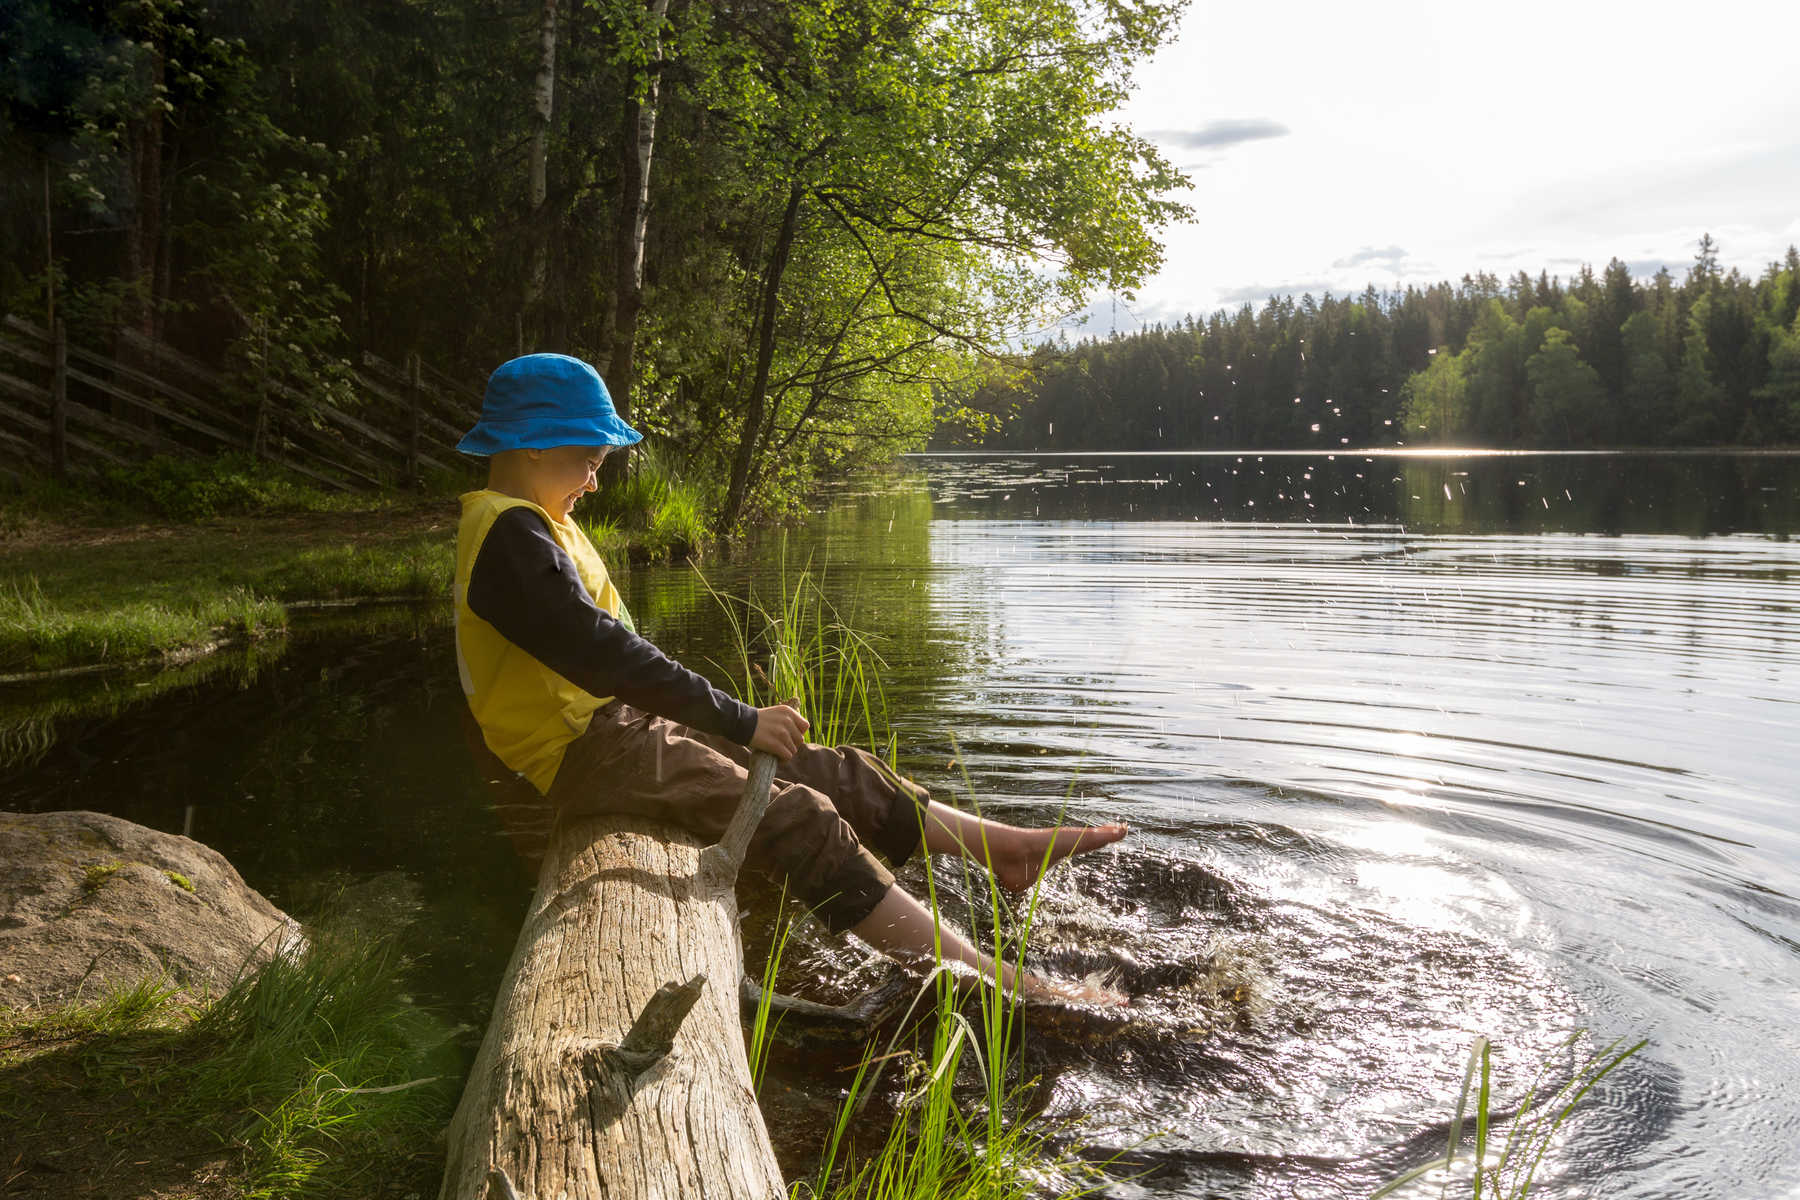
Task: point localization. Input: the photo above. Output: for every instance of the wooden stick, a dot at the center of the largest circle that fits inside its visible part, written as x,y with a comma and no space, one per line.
719,863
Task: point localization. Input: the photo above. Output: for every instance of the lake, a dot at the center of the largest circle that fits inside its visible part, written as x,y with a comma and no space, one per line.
1415,748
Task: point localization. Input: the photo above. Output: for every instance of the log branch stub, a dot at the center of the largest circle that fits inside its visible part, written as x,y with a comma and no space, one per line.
654,1030
652,1035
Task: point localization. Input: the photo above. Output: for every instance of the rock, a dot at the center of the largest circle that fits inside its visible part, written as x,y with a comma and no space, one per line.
89,903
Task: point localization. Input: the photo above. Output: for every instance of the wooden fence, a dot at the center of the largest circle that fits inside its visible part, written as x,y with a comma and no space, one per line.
75,410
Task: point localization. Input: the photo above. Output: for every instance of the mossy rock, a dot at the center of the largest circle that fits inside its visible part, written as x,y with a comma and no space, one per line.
90,902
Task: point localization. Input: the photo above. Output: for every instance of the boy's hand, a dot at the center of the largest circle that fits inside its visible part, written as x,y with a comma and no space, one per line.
780,729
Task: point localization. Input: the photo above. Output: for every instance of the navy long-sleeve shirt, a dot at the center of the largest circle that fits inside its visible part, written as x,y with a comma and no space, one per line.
527,588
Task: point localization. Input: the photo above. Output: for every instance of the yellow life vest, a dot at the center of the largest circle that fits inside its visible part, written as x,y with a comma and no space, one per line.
528,713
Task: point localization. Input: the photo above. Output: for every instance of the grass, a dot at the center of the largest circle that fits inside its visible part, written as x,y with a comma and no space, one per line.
230,549
38,633
1509,1176
762,1028
315,1076
84,595
161,487
651,514
953,1137
816,657
958,1129
148,1003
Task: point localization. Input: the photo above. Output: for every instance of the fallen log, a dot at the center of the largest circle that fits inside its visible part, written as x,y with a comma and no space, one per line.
614,1064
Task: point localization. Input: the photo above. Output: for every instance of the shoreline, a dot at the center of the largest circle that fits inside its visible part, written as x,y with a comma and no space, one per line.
82,598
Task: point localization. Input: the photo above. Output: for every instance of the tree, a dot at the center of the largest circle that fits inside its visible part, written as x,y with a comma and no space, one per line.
543,98
640,35
1647,391
1705,270
1435,402
1699,400
1780,392
1568,405
957,161
1498,391
1613,306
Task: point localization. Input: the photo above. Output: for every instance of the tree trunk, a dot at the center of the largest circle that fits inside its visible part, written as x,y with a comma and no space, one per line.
543,98
143,232
574,1094
630,231
752,430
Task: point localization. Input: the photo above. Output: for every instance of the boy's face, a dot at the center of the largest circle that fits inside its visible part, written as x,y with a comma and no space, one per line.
561,475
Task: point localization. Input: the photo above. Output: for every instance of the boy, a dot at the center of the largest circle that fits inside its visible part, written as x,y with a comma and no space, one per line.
598,719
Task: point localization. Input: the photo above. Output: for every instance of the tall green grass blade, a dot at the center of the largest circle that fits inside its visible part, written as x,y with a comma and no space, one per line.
1534,1124
762,1030
1592,1073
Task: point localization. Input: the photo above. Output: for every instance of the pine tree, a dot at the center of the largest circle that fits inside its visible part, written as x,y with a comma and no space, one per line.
1699,400
1780,392
1647,391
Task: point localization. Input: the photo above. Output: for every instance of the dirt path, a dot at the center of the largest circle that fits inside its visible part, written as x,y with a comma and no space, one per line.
398,519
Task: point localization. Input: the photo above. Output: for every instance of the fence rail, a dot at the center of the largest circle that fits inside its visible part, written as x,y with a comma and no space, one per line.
71,409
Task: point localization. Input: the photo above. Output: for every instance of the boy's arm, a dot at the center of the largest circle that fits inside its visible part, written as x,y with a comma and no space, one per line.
526,587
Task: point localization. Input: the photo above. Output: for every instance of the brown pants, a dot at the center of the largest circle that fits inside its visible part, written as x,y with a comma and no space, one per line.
828,808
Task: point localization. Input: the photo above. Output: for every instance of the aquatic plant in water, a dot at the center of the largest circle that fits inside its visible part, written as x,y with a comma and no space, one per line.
1534,1124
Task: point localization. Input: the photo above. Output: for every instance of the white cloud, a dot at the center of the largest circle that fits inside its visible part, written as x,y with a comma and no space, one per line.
1388,255
1217,134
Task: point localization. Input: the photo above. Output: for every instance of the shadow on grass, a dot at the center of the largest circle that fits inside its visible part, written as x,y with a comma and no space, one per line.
315,1077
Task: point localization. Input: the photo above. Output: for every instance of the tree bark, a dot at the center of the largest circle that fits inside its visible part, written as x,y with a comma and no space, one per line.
752,432
143,231
543,99
582,1087
631,230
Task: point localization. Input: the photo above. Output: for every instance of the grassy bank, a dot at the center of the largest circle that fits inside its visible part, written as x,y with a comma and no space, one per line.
312,1078
80,594
172,560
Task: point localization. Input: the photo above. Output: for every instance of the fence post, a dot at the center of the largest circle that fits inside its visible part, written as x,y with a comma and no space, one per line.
412,413
59,398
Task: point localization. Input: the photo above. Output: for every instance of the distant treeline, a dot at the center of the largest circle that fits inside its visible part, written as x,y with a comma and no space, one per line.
1603,360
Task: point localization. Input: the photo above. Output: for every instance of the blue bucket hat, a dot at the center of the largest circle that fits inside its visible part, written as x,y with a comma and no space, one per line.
544,400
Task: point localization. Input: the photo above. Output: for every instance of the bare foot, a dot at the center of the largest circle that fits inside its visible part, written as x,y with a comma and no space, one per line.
1018,856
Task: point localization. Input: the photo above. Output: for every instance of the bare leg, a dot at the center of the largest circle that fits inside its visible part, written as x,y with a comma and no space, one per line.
900,925
1016,856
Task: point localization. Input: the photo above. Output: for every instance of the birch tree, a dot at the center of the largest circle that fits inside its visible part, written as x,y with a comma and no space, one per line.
644,45
543,107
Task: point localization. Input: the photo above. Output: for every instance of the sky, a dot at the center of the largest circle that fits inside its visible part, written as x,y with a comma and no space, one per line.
1335,145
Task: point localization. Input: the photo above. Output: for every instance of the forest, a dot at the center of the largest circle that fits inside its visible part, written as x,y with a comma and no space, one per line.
779,230
1601,360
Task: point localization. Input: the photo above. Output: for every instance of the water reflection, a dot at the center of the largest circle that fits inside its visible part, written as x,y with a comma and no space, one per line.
1601,492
